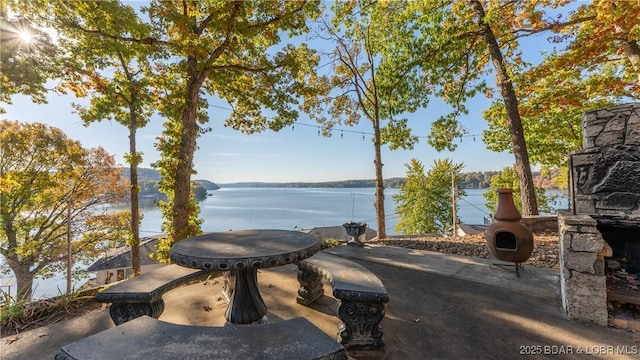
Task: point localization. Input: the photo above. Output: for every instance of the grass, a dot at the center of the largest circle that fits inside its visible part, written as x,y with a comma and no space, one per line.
17,316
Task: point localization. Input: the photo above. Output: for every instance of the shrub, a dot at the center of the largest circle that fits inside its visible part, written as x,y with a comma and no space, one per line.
16,316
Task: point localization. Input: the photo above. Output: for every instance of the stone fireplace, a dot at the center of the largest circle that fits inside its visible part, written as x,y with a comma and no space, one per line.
600,235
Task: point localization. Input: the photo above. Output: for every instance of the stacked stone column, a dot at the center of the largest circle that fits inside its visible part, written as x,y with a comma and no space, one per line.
582,279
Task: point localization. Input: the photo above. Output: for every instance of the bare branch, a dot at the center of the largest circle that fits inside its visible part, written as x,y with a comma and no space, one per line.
278,18
239,68
227,38
555,26
145,41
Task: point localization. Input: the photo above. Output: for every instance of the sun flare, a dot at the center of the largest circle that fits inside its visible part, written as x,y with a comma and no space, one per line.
26,36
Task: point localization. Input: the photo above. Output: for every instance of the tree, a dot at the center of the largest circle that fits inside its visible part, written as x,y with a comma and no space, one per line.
424,201
224,48
27,59
508,179
42,174
473,38
514,122
115,73
217,48
596,64
364,84
118,76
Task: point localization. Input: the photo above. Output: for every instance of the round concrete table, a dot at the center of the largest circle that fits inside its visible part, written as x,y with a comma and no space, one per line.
242,253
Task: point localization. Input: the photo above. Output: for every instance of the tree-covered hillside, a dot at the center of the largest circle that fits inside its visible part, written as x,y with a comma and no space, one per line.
470,180
148,180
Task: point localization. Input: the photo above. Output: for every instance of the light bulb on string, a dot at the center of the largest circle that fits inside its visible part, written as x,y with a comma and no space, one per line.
293,127
362,136
341,134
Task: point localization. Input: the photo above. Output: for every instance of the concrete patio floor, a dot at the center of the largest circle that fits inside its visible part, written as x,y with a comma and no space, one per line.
441,307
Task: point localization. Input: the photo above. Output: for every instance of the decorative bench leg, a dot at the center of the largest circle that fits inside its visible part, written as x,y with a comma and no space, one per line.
360,328
310,286
123,312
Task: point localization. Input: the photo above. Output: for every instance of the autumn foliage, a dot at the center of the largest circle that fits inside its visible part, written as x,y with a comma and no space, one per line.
47,181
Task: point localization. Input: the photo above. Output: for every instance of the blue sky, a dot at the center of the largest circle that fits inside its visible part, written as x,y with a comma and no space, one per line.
292,154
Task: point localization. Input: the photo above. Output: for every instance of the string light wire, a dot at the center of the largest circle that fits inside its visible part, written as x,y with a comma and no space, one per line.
341,130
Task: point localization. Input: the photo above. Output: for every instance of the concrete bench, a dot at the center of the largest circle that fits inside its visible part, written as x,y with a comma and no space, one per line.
142,295
361,296
149,338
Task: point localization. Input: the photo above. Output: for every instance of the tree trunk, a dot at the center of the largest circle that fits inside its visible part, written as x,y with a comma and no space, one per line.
24,278
133,183
69,248
134,161
514,122
632,51
21,269
382,232
629,46
187,146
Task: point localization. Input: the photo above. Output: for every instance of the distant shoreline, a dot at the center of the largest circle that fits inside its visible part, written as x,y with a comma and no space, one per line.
149,179
473,180
393,183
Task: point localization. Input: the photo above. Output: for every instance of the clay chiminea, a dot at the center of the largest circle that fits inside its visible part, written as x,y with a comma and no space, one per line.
507,238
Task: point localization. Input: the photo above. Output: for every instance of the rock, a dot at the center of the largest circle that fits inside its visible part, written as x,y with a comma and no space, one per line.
545,246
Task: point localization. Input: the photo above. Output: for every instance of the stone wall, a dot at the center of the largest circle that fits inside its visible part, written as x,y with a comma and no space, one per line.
606,173
582,279
540,223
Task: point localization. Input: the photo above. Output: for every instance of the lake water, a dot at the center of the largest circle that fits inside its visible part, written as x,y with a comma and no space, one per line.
305,208
291,209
